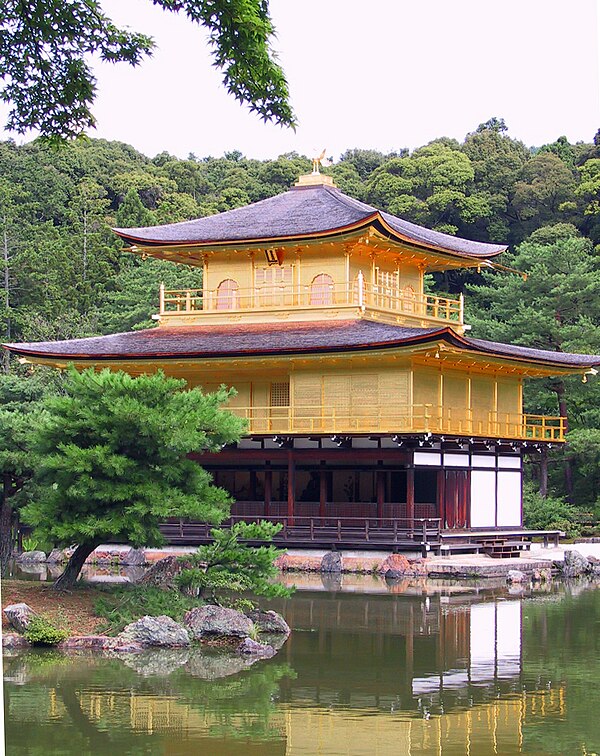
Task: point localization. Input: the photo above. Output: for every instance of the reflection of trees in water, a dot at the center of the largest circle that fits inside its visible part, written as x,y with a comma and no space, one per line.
101,704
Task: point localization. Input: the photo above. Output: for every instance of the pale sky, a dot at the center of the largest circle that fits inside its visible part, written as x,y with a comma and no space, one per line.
382,74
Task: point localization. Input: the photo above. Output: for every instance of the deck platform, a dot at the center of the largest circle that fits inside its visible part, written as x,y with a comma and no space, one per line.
418,534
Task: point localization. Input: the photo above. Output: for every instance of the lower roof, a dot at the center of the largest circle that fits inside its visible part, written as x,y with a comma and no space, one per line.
226,341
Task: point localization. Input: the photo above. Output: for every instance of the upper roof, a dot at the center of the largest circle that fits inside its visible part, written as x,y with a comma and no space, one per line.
227,341
300,213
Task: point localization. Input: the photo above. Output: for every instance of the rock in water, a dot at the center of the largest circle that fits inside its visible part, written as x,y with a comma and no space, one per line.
575,564
515,576
19,616
394,566
217,620
10,642
331,562
156,631
162,574
134,558
252,648
56,556
32,556
269,622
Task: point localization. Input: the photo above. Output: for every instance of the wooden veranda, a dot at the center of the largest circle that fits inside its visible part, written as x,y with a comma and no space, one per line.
422,534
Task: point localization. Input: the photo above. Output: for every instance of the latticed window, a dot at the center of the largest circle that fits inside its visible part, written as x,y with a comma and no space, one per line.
280,394
276,275
321,290
274,285
387,281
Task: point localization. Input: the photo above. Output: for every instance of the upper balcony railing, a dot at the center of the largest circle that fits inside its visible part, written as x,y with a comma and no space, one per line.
418,418
362,295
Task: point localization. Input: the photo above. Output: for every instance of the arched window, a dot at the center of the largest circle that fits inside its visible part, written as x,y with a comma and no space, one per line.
321,290
227,294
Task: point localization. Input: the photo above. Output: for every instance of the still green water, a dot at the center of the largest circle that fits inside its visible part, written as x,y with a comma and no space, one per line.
369,669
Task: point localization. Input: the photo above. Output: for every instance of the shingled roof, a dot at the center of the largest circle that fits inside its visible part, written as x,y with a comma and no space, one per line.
227,341
299,213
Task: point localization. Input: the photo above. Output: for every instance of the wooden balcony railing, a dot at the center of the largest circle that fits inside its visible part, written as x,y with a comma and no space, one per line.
422,533
424,418
391,300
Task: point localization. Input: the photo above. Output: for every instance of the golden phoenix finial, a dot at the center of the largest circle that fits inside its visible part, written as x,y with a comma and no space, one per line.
320,160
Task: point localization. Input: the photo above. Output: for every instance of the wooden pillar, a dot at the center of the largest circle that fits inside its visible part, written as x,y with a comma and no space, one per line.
268,489
291,488
253,485
410,496
380,487
322,490
441,497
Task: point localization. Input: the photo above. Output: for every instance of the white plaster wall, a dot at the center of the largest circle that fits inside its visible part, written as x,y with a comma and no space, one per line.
428,458
509,498
483,498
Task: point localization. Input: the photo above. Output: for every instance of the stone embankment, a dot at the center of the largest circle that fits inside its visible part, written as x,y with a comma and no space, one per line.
161,567
202,624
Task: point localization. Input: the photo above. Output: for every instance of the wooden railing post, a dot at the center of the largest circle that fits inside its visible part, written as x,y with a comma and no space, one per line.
360,280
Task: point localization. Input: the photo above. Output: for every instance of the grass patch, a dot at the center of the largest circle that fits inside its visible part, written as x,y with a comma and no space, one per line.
120,606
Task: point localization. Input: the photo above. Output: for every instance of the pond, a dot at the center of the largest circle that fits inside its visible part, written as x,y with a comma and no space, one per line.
369,669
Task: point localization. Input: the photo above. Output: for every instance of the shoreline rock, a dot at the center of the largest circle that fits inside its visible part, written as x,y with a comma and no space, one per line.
31,557
207,620
19,616
269,622
249,647
159,631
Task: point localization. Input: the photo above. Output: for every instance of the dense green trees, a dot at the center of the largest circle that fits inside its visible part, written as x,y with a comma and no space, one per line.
45,47
62,273
112,461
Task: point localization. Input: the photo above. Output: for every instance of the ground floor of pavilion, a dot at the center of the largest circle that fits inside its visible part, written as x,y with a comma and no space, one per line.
371,491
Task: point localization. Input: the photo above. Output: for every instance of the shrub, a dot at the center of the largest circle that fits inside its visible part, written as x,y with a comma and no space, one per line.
30,543
41,632
124,605
227,567
551,513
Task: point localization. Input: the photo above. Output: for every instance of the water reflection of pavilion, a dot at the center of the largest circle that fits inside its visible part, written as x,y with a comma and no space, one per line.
370,675
409,653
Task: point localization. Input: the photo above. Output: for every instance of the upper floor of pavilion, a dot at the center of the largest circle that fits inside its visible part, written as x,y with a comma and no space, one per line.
309,254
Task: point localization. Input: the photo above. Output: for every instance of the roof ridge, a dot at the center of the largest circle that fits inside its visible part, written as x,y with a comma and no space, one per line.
348,201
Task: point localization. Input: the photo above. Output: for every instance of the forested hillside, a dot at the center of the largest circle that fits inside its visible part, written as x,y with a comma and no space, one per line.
63,275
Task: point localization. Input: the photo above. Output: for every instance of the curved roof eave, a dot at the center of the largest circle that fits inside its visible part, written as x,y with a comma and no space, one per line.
384,340
370,221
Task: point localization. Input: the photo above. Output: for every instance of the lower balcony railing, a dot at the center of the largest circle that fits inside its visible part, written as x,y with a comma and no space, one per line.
422,418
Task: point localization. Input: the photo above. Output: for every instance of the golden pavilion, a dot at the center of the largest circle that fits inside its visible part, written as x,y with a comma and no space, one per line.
372,413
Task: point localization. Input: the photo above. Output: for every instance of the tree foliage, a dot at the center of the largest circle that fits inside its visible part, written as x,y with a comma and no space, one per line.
229,566
113,459
46,45
21,410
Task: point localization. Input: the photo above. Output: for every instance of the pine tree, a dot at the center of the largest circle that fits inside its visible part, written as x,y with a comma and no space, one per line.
114,462
132,213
